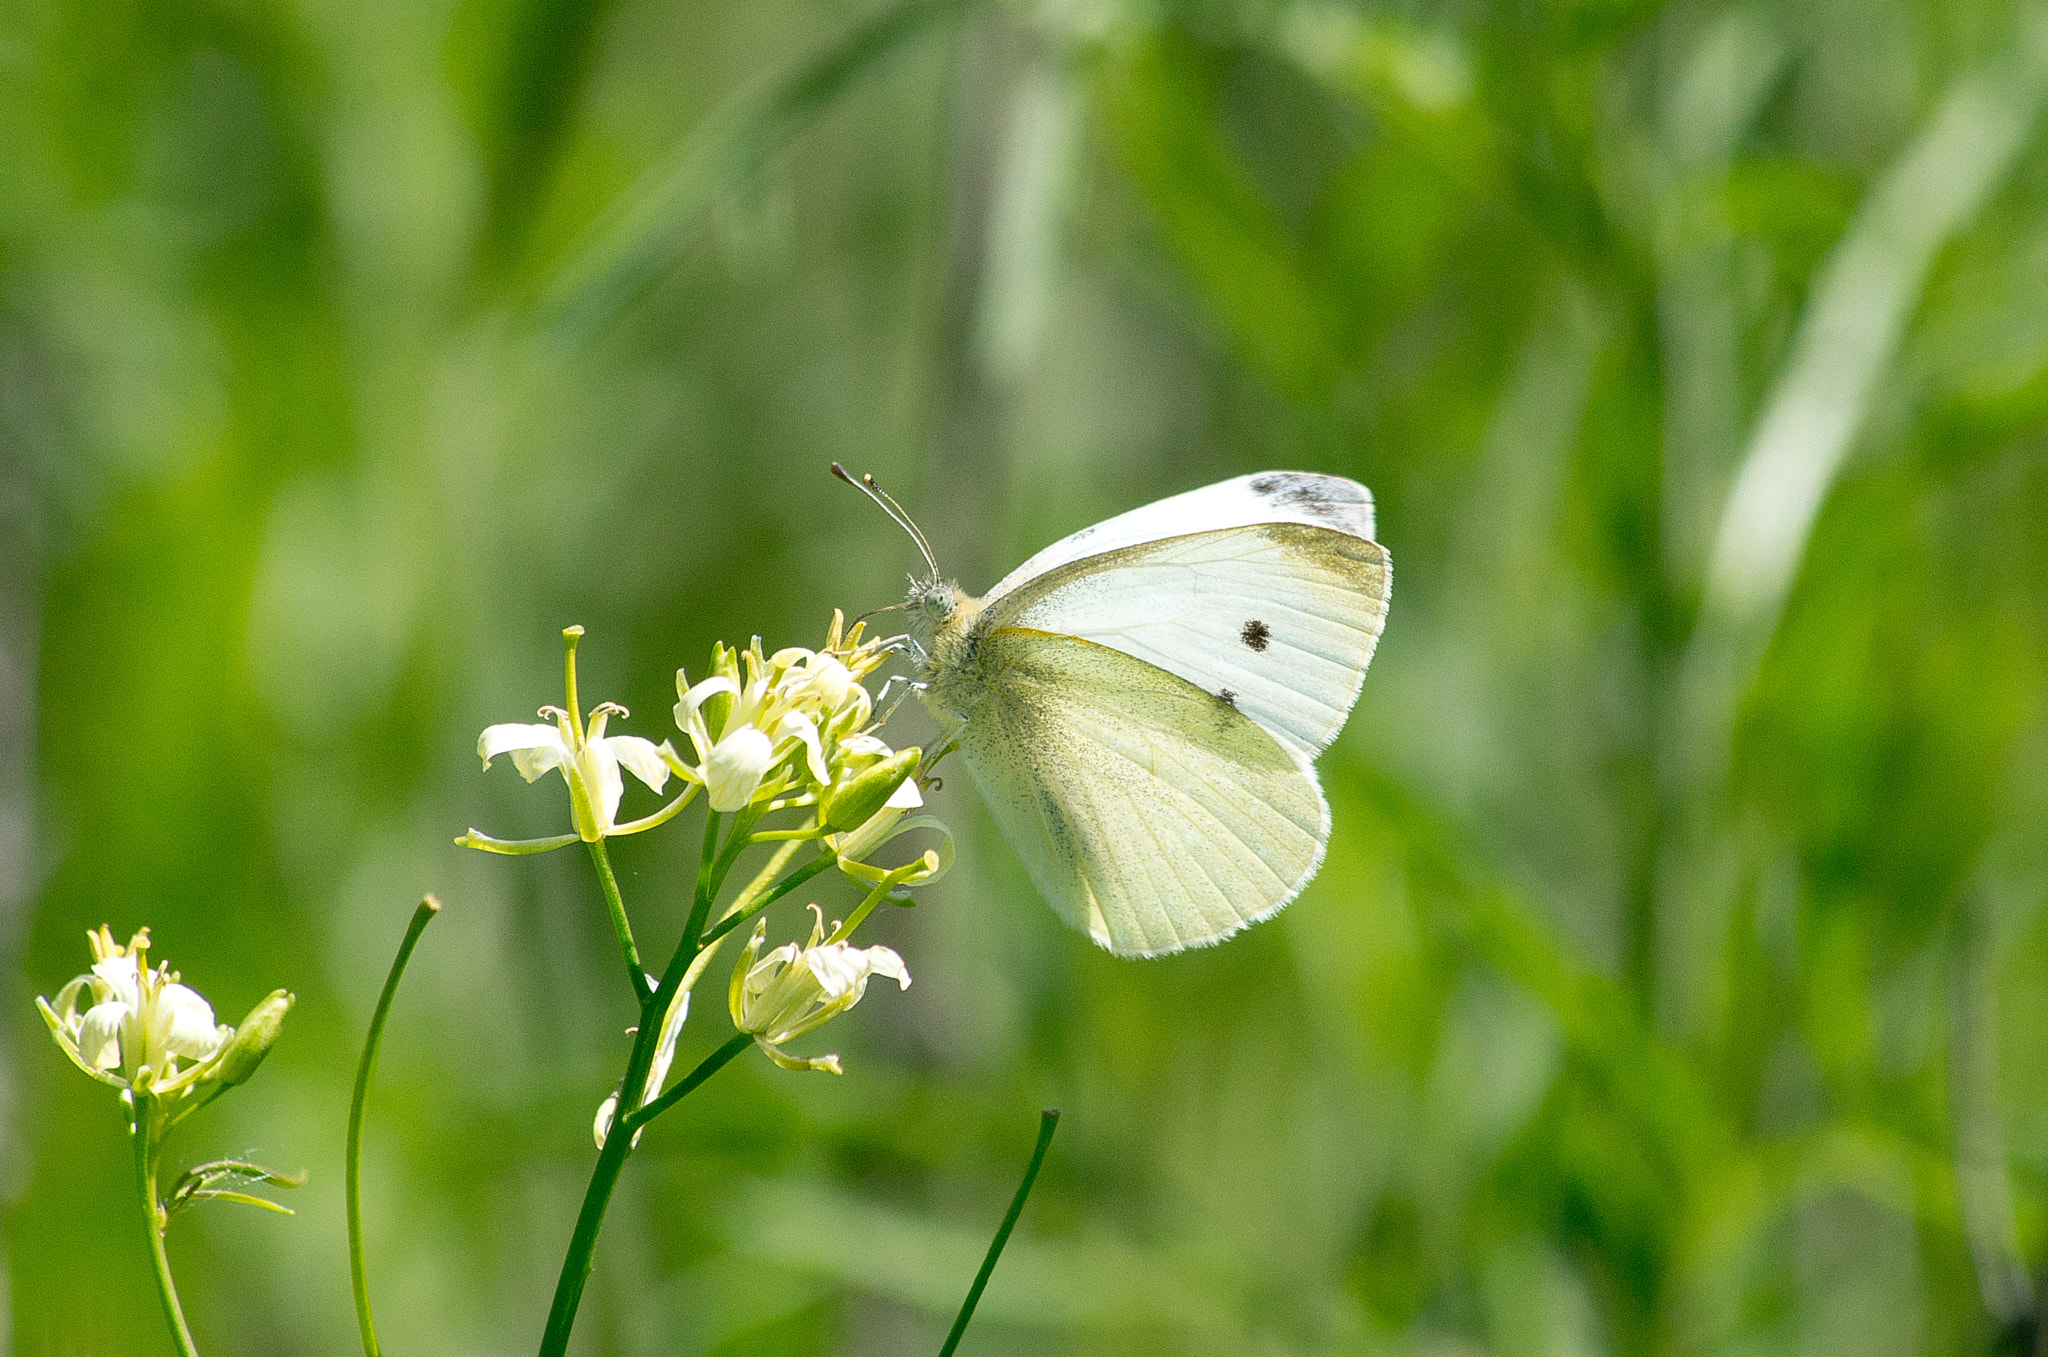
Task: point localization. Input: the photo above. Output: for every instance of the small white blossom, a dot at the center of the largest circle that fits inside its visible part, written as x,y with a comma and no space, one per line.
590,762
766,726
794,990
140,1019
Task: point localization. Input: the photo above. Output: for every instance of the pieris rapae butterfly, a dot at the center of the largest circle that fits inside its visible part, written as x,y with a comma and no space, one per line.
1140,702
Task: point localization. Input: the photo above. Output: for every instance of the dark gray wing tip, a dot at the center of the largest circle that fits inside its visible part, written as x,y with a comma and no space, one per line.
1334,501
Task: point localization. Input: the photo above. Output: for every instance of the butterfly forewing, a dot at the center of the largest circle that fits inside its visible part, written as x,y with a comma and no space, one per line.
1263,497
1151,813
1277,619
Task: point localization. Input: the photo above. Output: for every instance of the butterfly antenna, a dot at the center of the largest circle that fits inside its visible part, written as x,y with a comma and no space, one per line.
893,607
868,486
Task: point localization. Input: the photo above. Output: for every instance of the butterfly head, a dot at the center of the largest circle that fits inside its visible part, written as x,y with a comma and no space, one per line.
931,602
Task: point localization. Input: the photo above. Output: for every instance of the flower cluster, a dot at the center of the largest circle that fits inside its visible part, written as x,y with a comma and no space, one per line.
793,990
768,732
789,731
137,1028
764,726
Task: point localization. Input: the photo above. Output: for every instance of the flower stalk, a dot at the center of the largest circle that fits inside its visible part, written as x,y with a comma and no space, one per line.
148,1137
790,732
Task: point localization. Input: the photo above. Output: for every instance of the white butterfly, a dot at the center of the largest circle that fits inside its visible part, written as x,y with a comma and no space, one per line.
1139,702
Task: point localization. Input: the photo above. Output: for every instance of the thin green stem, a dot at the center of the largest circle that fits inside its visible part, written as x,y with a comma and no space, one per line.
635,973
707,890
737,841
1048,1122
611,1159
576,1264
788,884
146,1125
889,882
421,917
710,1065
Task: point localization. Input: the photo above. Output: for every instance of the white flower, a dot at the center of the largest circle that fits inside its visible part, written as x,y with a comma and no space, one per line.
735,765
793,990
589,759
745,731
763,726
140,1019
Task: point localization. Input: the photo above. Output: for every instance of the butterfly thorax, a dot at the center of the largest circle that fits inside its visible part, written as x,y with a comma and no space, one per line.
942,618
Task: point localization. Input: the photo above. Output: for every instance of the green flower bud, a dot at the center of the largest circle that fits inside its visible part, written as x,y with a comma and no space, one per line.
718,707
251,1042
855,800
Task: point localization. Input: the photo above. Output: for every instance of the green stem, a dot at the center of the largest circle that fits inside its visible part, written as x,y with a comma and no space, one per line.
737,842
611,1161
1048,1122
635,973
153,1220
353,1171
889,882
790,883
707,890
708,1066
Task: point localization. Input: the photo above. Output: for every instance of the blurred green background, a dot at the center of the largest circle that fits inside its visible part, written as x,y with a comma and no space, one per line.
1678,979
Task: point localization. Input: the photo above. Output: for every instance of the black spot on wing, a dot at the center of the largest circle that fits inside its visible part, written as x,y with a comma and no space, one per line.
1256,635
1229,698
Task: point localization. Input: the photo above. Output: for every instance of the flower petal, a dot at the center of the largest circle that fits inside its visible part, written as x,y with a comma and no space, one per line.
119,974
186,1022
642,758
534,748
883,961
99,1036
796,725
733,771
694,697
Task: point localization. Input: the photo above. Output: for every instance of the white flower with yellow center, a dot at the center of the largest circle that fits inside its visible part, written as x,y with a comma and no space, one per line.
590,762
139,1019
794,990
783,726
749,722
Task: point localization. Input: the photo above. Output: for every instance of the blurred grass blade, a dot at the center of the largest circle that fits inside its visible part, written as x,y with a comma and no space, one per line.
1048,1122
640,235
1983,1178
1862,298
421,917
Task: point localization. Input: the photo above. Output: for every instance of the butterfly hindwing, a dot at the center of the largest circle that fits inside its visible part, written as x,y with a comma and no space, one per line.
1278,619
1152,814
